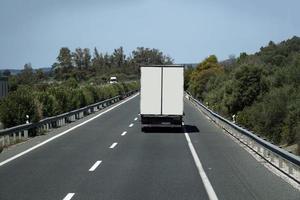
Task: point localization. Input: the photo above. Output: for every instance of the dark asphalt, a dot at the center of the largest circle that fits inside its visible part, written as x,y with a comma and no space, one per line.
152,165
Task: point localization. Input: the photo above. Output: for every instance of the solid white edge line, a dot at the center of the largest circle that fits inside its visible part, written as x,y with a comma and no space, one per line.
131,125
124,133
62,133
208,187
69,196
113,145
95,165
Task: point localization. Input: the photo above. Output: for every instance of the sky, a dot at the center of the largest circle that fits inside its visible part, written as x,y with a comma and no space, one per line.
187,30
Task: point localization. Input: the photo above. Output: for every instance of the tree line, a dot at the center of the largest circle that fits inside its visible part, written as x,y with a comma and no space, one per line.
77,79
41,101
262,90
81,65
85,67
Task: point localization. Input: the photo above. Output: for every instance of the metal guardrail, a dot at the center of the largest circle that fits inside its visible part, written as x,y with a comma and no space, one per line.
281,159
17,133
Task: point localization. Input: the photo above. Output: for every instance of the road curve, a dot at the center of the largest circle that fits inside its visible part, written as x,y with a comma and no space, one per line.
110,158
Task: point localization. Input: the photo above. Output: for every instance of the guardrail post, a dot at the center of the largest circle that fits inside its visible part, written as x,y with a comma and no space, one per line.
258,149
20,135
14,137
2,141
8,140
264,152
271,156
290,169
25,134
280,163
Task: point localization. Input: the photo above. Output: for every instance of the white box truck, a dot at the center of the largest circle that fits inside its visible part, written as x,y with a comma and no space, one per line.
161,95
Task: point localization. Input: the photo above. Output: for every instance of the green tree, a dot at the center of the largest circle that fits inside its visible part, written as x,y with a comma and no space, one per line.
146,56
15,107
65,58
119,57
247,85
26,76
203,72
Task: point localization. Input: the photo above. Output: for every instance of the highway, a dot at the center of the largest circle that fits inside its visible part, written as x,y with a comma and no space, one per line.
111,158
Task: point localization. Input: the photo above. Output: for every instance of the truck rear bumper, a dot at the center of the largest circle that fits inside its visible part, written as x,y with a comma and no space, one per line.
161,120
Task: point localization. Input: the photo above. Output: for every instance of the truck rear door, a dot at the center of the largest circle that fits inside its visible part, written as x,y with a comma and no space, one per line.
172,91
151,90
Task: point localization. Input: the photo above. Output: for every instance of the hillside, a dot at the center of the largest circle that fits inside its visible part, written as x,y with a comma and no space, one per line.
262,90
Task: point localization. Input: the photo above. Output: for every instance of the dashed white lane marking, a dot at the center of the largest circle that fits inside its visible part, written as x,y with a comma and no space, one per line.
69,196
208,187
124,133
95,165
131,125
63,133
113,145
135,119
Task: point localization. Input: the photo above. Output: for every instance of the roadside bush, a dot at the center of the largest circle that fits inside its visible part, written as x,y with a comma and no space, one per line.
15,107
62,97
77,99
46,101
90,94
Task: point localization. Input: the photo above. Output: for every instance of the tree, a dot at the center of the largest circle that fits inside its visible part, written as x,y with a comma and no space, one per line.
246,86
119,57
40,74
15,107
203,72
86,57
146,56
65,58
187,76
26,76
78,57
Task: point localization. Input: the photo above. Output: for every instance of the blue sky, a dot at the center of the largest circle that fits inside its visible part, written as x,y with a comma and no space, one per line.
187,30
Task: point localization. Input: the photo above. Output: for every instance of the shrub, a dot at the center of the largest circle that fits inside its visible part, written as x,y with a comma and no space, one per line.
15,107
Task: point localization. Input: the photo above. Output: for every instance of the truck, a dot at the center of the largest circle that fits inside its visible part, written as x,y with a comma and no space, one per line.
161,95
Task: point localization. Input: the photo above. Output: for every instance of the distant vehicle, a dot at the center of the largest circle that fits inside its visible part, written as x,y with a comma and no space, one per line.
162,95
113,79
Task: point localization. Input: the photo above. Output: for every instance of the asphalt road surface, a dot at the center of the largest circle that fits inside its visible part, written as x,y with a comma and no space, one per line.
111,158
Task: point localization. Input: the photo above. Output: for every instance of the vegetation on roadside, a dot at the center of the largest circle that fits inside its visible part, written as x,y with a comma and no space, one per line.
262,90
76,80
42,101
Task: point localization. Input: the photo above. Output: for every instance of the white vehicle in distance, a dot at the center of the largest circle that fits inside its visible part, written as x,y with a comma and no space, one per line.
113,79
161,95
